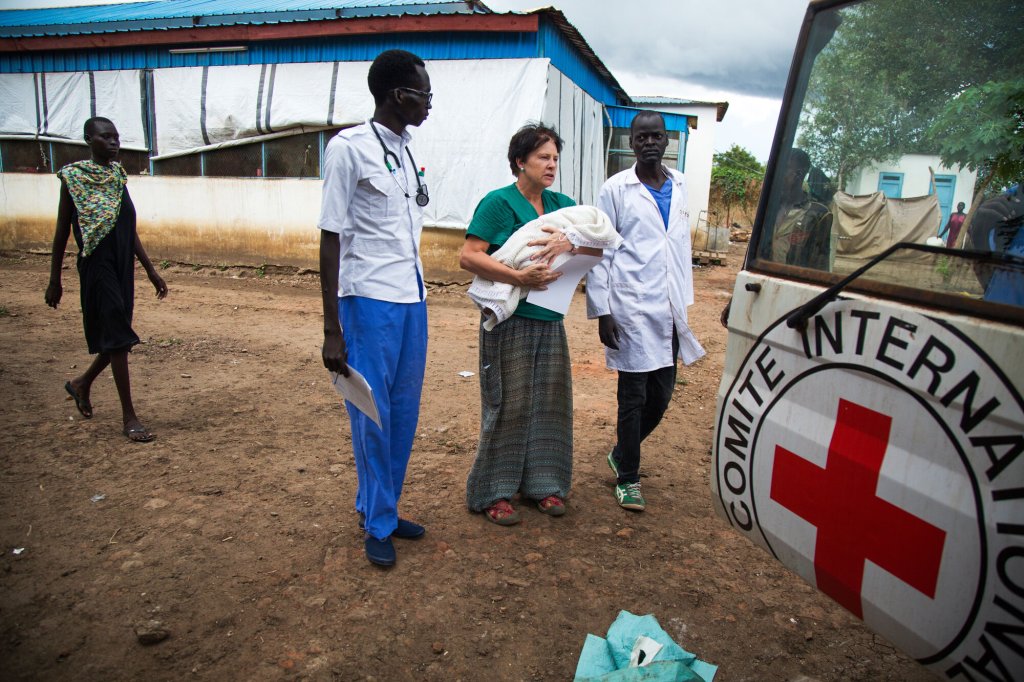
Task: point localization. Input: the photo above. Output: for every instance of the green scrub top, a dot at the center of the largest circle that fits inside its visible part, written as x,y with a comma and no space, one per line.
499,215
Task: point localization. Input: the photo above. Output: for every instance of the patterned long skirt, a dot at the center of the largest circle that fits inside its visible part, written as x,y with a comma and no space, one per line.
526,414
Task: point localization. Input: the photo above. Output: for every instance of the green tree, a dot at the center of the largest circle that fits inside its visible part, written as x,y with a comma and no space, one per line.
736,177
901,76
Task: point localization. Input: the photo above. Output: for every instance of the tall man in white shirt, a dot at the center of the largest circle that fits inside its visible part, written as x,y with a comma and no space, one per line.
639,294
371,278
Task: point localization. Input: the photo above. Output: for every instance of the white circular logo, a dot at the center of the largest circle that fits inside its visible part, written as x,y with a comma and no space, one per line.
878,457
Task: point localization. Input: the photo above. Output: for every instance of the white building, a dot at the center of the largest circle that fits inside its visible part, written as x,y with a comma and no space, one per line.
917,175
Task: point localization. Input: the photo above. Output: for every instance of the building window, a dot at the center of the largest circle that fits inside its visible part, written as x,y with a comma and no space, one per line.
292,156
620,156
43,156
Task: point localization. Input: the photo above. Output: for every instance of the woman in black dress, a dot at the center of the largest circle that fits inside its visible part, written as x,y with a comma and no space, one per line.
94,204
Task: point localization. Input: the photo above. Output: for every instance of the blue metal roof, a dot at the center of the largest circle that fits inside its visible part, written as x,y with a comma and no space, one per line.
343,49
168,14
622,117
556,38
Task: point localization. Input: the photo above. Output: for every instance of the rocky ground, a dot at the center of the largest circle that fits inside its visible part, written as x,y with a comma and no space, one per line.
228,548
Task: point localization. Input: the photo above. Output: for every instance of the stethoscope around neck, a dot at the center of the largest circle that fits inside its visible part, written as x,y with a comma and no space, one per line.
422,198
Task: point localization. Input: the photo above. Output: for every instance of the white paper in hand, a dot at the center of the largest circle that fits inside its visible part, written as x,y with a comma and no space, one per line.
558,295
355,389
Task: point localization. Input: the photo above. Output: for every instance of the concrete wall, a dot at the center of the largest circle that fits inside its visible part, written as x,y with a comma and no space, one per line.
229,221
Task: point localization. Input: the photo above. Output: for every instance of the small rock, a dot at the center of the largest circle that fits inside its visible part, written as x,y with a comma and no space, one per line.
151,632
131,564
437,648
186,376
625,533
517,582
337,468
156,503
316,602
533,557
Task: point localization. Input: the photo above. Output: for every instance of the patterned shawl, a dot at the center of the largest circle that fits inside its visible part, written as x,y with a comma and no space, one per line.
96,191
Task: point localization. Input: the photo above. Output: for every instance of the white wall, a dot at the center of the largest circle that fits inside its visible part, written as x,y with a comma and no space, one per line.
700,149
916,178
204,220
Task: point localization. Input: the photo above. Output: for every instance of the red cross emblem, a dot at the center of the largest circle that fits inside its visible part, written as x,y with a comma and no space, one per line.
854,525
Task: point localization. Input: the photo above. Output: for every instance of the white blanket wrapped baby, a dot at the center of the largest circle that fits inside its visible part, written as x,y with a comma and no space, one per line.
584,226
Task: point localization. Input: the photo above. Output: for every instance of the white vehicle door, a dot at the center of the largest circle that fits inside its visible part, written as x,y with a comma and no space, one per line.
870,426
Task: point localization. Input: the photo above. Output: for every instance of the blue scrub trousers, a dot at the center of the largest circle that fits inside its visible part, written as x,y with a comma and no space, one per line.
387,344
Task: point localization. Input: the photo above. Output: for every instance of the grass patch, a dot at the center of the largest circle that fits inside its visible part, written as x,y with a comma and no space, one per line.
164,264
4,312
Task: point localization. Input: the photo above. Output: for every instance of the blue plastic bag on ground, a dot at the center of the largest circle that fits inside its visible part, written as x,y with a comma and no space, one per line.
637,649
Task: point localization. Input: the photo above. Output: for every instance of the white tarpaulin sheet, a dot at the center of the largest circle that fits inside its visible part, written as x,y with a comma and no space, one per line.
56,105
477,106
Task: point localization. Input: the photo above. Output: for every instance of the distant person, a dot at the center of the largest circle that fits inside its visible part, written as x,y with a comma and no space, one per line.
803,227
639,294
525,442
371,278
95,205
953,225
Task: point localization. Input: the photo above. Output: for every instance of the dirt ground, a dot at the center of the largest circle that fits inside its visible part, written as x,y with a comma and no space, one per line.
235,529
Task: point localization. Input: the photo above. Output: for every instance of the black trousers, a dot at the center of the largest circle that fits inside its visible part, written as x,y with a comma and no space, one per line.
643,398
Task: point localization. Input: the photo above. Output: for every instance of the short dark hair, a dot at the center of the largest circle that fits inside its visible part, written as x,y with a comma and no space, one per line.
390,70
642,114
90,125
798,158
528,139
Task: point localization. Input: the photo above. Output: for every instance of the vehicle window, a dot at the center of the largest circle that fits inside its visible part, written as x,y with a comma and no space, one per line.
907,125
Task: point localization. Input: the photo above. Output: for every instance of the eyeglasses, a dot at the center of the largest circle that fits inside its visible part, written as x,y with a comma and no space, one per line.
425,95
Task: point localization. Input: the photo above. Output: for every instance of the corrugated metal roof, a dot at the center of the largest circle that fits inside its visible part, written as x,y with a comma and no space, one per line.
167,14
621,117
171,15
722,107
573,35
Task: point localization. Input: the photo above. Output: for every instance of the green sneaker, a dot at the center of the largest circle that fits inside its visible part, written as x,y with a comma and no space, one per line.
629,497
611,462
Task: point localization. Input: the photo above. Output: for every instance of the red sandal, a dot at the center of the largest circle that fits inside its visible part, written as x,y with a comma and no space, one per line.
502,513
552,505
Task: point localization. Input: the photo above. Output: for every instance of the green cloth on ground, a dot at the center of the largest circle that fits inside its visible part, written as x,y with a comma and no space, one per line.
501,213
608,659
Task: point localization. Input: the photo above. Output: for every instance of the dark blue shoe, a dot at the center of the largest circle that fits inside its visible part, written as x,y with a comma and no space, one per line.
406,530
380,552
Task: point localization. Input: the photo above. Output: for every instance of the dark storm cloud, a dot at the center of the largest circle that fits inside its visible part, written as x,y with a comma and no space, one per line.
743,46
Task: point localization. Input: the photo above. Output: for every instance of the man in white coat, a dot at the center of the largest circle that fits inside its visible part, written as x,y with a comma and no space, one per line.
639,294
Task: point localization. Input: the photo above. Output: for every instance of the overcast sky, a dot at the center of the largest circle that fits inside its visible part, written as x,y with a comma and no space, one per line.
737,51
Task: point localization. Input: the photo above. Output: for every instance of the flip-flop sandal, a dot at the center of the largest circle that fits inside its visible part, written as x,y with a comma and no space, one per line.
502,513
552,505
81,403
138,434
